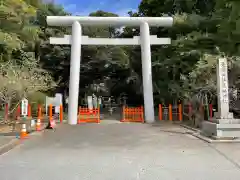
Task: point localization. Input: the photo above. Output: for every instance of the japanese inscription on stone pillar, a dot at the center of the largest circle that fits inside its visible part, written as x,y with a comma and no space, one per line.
223,99
224,81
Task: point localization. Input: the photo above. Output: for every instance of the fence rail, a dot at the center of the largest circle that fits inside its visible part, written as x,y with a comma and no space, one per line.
179,112
182,112
133,114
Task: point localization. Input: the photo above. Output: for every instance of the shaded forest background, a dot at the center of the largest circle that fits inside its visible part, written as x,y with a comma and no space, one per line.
203,31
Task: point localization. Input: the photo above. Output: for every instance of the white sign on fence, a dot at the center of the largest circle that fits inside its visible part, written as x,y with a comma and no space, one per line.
24,107
90,102
57,109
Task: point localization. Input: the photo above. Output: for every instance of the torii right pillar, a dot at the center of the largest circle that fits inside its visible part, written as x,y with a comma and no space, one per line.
147,73
223,124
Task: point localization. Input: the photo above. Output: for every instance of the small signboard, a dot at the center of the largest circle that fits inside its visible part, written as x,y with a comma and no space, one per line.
57,109
90,102
24,107
55,101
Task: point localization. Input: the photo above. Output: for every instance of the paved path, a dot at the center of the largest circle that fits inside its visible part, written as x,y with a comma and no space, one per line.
120,152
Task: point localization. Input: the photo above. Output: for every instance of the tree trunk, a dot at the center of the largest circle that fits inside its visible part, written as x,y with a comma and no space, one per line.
7,111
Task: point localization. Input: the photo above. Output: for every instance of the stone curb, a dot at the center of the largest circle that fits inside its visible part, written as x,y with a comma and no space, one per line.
197,133
190,128
15,142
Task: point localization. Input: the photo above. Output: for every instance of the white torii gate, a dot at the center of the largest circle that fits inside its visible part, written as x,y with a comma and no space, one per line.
76,40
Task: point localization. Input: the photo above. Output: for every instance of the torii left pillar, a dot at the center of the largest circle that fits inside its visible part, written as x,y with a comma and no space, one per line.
74,72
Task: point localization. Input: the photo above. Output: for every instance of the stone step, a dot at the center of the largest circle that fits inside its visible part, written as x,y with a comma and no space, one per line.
220,130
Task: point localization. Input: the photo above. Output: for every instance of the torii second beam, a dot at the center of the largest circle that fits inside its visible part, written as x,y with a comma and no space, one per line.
136,40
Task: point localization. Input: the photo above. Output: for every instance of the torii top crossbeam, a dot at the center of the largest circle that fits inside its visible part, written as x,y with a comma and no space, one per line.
111,21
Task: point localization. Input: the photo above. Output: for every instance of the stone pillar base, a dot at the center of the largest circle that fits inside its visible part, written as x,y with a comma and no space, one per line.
229,115
222,128
225,121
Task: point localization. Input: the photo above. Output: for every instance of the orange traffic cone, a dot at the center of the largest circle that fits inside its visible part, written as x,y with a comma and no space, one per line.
52,123
23,134
38,125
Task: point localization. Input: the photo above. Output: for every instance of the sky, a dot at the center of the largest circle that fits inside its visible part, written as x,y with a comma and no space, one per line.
84,7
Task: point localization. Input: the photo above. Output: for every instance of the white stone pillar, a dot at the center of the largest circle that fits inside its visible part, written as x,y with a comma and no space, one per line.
147,73
223,113
223,125
74,72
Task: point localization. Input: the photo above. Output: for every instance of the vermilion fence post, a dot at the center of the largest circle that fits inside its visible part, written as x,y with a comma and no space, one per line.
123,114
98,114
18,113
142,114
170,112
50,112
210,111
29,111
61,114
39,112
180,112
79,112
160,112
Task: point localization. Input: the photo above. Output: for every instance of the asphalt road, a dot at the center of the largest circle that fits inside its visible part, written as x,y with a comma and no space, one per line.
120,152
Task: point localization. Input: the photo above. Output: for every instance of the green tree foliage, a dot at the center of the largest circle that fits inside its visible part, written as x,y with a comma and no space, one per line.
203,31
20,72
